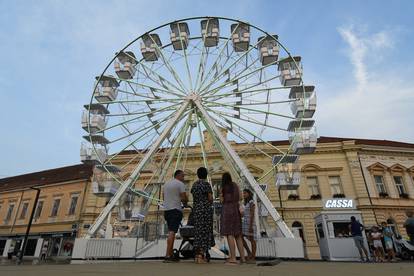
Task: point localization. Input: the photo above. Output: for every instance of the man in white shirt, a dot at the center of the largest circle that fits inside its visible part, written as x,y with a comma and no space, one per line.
174,195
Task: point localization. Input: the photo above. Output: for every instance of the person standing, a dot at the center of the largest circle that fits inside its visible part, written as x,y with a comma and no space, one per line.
409,226
377,242
44,250
230,222
356,229
249,225
389,244
174,194
203,216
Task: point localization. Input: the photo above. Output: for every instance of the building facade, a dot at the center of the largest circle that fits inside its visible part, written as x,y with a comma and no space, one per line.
57,215
378,175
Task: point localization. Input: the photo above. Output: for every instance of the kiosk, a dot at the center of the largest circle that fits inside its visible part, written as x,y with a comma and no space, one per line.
332,230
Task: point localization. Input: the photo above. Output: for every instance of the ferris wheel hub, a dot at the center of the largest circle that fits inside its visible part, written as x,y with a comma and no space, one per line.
193,97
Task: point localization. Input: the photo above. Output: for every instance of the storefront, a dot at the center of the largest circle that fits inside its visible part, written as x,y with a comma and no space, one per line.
49,244
332,230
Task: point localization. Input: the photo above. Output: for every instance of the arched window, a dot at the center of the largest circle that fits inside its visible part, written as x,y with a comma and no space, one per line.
297,228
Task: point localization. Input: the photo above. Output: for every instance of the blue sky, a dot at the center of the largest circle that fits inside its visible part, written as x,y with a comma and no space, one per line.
357,53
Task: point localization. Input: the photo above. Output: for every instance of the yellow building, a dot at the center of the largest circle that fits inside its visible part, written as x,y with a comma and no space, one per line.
377,174
57,216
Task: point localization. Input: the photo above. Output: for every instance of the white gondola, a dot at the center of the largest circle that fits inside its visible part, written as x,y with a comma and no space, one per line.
210,32
103,184
288,173
179,35
97,122
240,37
290,74
107,89
96,139
305,104
149,47
303,136
268,49
90,156
97,108
125,65
129,208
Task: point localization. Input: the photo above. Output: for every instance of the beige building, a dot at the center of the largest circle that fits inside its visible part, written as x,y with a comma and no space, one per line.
57,216
377,174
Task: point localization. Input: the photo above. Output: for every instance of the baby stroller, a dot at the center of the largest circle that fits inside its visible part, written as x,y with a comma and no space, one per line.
186,249
405,250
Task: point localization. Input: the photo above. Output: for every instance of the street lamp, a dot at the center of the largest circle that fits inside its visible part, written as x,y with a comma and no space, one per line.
26,236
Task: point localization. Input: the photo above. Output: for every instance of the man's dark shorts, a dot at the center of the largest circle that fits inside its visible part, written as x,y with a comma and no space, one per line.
173,218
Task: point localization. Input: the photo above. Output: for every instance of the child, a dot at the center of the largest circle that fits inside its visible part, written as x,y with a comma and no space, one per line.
376,238
249,225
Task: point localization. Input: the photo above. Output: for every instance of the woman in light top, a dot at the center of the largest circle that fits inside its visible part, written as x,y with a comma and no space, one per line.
249,225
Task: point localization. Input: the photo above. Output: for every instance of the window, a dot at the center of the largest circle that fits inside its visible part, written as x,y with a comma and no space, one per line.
38,211
9,212
313,185
73,203
379,182
336,187
55,207
399,184
341,229
24,210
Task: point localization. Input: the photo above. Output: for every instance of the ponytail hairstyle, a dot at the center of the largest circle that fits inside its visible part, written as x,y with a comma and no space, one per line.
250,197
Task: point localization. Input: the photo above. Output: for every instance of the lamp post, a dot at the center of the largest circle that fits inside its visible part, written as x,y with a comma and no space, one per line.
26,236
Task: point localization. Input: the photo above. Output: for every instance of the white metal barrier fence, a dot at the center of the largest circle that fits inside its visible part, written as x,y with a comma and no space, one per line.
103,248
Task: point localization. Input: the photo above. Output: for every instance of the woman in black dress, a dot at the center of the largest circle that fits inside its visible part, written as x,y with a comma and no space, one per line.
203,216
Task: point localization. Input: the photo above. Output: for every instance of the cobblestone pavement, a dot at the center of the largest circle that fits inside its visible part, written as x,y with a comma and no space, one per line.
184,268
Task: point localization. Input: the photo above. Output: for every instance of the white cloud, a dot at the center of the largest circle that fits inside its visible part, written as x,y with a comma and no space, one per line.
379,102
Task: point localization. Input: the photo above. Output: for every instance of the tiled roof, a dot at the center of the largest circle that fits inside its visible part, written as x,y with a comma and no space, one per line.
63,174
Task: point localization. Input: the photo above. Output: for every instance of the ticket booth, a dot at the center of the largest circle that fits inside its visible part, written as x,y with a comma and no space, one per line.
332,230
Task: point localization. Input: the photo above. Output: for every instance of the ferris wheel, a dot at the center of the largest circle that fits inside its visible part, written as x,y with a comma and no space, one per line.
160,93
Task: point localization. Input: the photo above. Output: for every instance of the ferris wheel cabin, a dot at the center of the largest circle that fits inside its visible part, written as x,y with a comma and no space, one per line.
302,136
268,49
210,32
305,104
288,173
290,74
125,66
106,89
90,156
240,37
103,184
179,34
149,47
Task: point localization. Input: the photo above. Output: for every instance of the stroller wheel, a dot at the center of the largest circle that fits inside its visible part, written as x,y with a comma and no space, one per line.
176,254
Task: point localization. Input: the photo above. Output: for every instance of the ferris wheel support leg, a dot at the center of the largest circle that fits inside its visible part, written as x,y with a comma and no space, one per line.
246,173
137,171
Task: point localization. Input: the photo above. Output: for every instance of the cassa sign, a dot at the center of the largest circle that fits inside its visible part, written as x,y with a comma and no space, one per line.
339,204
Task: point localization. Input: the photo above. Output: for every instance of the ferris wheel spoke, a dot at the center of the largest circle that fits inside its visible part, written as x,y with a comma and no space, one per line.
146,114
150,127
136,140
152,88
223,71
251,109
247,119
232,80
161,81
248,132
169,66
238,134
216,62
203,149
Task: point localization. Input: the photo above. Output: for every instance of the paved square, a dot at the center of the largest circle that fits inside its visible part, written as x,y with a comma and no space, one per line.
157,268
